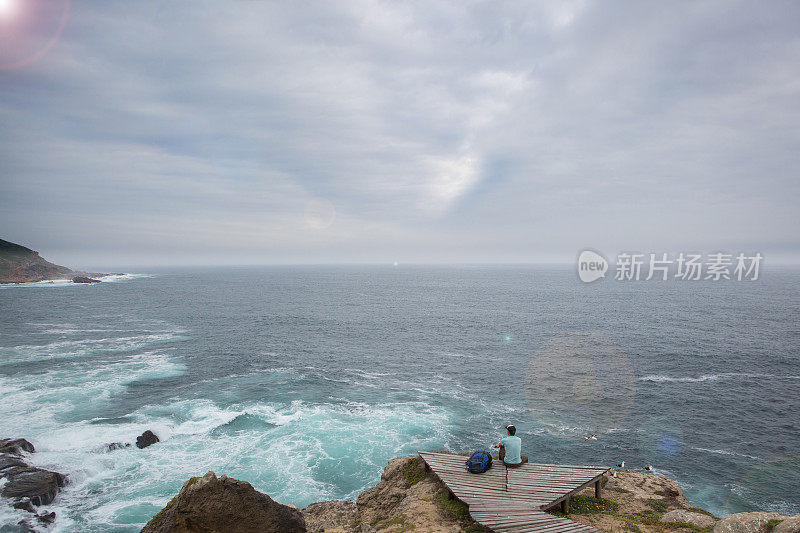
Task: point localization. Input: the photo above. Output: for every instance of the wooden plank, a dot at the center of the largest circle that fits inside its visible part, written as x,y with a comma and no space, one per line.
511,499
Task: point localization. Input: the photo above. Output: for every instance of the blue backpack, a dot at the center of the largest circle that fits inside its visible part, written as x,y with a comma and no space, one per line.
479,462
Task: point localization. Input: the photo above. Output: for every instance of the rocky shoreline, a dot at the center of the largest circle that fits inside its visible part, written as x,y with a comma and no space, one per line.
28,487
19,264
407,498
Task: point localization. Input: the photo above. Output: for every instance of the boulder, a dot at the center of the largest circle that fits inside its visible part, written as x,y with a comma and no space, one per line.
26,485
681,516
224,504
146,439
9,461
34,484
757,522
15,446
118,445
788,525
84,279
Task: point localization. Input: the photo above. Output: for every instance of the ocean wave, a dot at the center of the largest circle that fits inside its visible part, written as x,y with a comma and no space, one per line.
657,378
70,349
67,282
726,452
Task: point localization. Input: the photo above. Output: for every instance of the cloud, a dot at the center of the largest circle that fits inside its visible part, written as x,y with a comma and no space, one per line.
433,130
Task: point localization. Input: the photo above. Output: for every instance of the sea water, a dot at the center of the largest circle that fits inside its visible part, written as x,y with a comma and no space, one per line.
305,381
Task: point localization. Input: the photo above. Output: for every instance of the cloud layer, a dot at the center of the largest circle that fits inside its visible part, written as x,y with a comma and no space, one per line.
253,132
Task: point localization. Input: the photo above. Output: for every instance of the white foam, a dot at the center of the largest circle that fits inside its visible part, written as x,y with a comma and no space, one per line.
726,452
67,282
71,349
657,378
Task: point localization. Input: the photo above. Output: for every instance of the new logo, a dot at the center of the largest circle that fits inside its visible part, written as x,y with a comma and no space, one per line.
591,266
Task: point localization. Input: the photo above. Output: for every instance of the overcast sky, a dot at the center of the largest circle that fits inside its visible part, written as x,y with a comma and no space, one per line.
146,133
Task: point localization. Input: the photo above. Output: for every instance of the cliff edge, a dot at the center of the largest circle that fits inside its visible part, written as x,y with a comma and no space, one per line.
408,498
19,264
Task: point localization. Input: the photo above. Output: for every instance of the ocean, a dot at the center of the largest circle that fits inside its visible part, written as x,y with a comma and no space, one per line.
305,381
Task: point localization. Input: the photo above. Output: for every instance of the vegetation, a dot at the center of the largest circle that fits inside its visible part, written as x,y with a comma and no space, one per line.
772,523
585,505
414,470
632,522
459,510
399,520
658,505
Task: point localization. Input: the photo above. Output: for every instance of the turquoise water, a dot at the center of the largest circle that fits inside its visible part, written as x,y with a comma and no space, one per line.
306,381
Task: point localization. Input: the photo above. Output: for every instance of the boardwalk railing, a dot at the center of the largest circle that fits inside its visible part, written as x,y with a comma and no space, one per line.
515,499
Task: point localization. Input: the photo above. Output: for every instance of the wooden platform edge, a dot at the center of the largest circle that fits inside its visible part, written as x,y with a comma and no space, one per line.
596,480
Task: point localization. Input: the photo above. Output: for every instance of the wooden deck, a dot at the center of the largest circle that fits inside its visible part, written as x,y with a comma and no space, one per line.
515,499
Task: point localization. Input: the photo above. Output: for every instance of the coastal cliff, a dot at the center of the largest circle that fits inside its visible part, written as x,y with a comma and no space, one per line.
408,498
19,264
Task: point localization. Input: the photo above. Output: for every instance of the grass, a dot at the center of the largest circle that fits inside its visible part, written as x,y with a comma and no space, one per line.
702,511
772,523
459,510
455,508
632,522
414,471
399,520
585,505
658,505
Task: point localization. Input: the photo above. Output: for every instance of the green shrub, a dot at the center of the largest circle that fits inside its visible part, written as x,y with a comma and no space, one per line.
772,523
414,470
658,505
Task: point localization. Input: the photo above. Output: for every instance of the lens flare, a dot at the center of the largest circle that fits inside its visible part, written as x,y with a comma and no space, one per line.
7,8
659,440
320,213
579,384
28,30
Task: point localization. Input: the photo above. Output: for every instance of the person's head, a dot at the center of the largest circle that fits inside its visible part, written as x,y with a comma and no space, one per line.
511,430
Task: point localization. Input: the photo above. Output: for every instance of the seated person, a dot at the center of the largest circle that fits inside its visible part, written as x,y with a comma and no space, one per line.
511,448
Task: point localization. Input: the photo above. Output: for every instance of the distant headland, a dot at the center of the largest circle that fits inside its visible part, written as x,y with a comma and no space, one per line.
19,264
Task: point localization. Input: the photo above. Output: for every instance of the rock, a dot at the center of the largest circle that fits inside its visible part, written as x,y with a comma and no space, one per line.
689,517
27,485
407,498
330,516
146,439
37,485
84,279
19,264
9,461
25,505
16,446
224,504
788,525
48,518
117,445
757,522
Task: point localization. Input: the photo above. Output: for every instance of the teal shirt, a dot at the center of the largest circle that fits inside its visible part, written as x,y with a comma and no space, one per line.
513,447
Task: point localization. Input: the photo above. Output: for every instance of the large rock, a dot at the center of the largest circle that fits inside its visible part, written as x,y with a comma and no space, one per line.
212,504
25,485
84,279
681,516
757,522
146,439
789,525
33,484
15,446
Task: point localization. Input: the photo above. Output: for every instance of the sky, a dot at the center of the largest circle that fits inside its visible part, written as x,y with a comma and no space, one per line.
255,132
